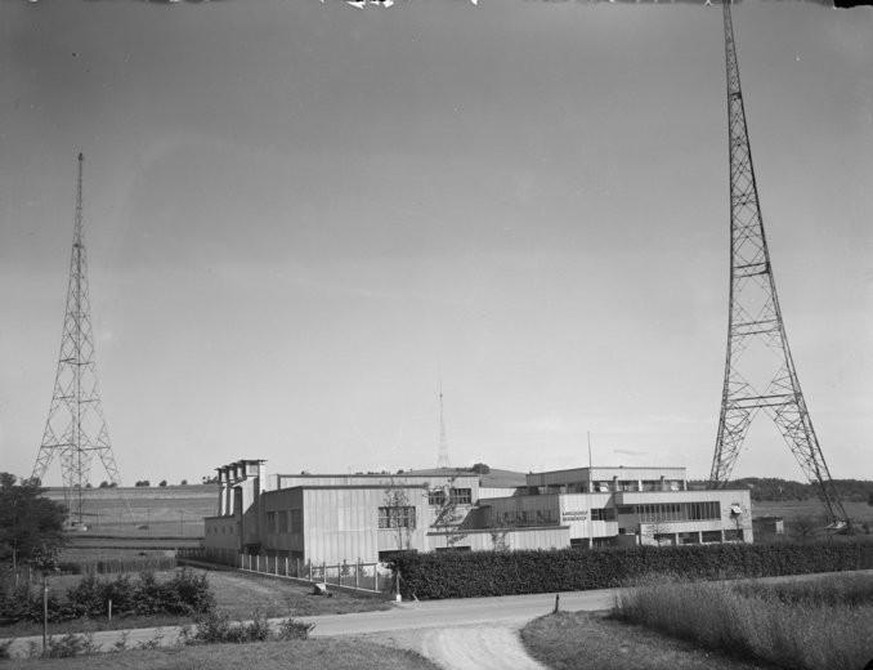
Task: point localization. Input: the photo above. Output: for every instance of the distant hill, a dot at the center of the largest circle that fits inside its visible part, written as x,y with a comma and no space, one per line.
775,489
146,511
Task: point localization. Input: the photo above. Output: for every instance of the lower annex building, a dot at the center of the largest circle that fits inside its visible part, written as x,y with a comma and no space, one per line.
366,517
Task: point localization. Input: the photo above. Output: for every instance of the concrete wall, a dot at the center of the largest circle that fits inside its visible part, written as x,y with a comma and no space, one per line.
221,532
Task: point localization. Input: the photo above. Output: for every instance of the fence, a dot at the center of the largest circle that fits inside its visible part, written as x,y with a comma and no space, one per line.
368,577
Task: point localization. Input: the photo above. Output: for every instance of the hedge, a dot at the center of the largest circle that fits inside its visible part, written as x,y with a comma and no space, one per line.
473,574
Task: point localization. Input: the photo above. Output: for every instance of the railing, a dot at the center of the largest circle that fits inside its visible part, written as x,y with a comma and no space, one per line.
369,577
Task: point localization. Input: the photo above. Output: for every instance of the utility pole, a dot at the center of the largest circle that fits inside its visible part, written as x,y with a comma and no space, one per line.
759,370
76,429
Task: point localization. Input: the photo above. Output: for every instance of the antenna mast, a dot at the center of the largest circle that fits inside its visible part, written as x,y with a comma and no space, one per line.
443,456
76,428
759,369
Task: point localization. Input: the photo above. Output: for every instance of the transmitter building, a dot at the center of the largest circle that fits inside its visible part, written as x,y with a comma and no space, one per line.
366,517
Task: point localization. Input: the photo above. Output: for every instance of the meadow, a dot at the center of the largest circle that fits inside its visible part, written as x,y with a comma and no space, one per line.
817,623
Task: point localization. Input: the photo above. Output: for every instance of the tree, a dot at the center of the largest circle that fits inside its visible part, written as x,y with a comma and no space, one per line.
163,482
399,514
144,482
104,485
28,521
184,482
480,468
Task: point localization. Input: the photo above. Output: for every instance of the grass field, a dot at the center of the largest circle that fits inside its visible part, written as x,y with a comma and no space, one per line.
791,510
817,624
566,641
302,655
153,511
238,594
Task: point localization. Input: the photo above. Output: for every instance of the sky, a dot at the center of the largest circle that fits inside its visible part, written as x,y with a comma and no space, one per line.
301,216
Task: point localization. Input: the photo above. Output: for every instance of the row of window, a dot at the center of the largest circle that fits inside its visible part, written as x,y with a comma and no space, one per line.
397,517
657,512
456,497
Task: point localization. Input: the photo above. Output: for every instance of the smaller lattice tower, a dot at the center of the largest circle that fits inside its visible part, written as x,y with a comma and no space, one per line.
75,430
443,455
760,376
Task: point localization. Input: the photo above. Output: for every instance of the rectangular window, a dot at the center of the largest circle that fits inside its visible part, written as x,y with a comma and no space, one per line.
603,514
397,517
436,497
296,521
626,509
462,496
283,521
711,536
271,522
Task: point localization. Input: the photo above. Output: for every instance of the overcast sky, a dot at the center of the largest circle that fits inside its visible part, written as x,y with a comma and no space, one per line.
299,215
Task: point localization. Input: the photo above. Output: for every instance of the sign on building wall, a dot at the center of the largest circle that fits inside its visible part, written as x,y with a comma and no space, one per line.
574,515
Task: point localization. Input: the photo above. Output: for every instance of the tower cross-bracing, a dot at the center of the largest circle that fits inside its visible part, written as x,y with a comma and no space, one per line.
76,430
760,375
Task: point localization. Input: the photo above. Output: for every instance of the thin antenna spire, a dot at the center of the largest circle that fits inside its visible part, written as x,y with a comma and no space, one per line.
443,455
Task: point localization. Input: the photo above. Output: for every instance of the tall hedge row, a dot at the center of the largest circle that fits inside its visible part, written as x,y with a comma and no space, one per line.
472,574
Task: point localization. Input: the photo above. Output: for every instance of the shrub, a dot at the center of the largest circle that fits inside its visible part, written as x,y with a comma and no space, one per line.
470,574
70,645
291,629
216,627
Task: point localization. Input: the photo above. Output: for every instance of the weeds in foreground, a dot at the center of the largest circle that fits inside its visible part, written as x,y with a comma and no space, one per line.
810,633
216,627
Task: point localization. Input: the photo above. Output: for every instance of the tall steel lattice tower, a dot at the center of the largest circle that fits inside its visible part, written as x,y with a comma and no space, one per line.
759,370
443,455
76,428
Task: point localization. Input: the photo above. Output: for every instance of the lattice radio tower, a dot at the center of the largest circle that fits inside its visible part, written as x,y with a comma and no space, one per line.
75,430
443,455
759,370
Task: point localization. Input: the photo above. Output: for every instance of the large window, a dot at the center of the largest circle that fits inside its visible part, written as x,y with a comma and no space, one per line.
271,522
296,521
603,514
694,511
283,521
436,497
397,517
462,496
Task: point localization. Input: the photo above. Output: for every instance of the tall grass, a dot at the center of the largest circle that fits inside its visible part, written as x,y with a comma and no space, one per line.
804,627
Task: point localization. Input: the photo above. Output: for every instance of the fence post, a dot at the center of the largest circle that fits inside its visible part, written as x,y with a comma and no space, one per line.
286,566
358,573
324,572
297,572
376,577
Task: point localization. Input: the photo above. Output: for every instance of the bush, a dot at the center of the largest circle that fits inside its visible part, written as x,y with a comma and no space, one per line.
186,594
463,574
70,645
291,629
216,627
